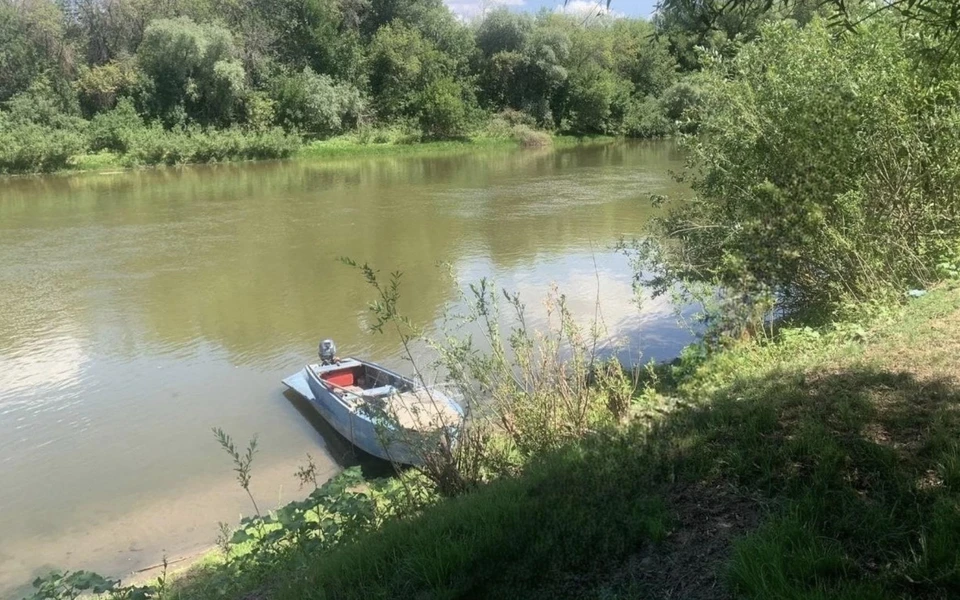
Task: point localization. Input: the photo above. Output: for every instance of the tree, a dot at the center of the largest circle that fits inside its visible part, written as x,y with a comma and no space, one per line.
316,104
826,170
401,63
503,30
32,41
443,111
191,71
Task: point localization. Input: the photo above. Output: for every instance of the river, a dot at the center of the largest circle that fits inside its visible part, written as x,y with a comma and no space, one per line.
140,309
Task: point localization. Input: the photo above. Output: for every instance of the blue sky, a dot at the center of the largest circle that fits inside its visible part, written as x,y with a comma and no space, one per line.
472,8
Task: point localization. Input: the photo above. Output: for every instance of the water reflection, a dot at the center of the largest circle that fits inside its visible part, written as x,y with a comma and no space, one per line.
139,309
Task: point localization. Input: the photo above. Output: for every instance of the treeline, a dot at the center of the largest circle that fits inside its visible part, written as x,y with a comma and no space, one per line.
192,80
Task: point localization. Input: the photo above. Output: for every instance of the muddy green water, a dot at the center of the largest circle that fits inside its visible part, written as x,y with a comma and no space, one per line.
140,309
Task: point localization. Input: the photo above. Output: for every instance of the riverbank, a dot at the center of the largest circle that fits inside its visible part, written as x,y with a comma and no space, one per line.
347,146
818,463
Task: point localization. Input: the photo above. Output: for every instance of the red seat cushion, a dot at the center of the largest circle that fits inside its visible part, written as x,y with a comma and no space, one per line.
343,378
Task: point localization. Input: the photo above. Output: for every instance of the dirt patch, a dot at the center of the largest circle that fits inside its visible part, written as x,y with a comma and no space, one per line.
689,563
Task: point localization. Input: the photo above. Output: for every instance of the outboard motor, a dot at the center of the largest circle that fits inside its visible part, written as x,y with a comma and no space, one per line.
328,352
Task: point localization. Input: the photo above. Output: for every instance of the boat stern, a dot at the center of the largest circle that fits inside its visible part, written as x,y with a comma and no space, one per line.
298,383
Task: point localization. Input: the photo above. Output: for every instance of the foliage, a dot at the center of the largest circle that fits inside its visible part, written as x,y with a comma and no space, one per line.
68,585
116,129
32,42
191,70
647,119
319,68
45,102
154,145
316,104
443,111
826,171
680,102
99,87
29,148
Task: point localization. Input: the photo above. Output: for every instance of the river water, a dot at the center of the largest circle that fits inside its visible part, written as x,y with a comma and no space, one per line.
140,309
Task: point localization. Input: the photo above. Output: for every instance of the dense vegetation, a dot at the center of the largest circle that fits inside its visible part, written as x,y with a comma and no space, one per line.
172,82
825,166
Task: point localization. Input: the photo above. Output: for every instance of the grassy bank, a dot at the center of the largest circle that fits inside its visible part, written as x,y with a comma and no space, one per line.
339,147
353,146
817,464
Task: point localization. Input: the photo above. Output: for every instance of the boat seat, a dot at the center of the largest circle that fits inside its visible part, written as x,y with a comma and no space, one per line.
377,392
352,389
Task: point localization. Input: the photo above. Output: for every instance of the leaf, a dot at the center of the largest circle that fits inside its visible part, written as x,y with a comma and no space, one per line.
240,536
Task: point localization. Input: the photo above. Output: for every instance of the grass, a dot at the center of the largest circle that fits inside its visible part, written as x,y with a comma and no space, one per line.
96,162
349,146
817,465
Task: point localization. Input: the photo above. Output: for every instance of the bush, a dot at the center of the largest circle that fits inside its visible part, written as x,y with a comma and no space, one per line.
99,86
828,169
680,101
48,102
646,119
114,130
529,137
443,111
597,101
30,148
156,146
316,104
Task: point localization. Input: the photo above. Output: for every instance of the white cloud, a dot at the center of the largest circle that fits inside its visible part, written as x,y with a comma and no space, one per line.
471,9
585,8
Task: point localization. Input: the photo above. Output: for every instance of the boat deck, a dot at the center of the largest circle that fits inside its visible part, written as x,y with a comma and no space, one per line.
416,410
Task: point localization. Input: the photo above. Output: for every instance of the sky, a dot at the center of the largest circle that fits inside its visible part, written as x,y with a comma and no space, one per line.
472,8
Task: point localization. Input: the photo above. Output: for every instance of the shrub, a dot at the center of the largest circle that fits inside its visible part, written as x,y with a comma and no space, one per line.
597,101
113,130
48,102
29,147
156,146
530,138
443,111
316,104
99,86
646,119
680,100
827,170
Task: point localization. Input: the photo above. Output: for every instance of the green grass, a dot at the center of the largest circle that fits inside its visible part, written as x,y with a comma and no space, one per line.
96,162
351,146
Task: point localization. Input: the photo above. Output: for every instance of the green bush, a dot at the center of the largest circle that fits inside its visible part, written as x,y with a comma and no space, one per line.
679,103
316,104
443,111
114,130
30,148
646,119
528,137
828,169
155,145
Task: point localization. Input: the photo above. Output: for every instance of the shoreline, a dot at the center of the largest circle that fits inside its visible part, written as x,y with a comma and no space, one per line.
336,148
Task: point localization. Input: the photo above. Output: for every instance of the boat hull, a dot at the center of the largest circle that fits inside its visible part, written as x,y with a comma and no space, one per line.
377,439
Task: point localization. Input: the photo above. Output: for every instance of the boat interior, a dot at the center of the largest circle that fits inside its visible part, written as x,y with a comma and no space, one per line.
351,377
369,390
